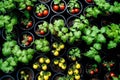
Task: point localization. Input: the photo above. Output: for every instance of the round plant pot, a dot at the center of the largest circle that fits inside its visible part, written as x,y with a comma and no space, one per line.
57,17
26,39
84,11
109,63
7,77
70,20
38,32
56,8
55,66
89,1
73,13
26,24
25,71
70,58
92,69
73,70
39,61
57,76
11,35
41,15
57,47
44,1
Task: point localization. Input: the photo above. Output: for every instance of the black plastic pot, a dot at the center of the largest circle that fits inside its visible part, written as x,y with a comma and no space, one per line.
112,66
80,70
81,8
93,73
42,17
27,43
70,20
56,76
61,51
37,32
37,61
30,24
58,11
57,17
27,71
7,77
84,10
76,58
44,1
12,35
56,68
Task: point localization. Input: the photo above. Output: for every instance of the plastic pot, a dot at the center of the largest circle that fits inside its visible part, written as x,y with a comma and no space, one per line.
70,57
55,65
78,13
57,17
57,48
59,9
38,32
41,63
41,15
92,69
7,77
26,39
26,24
70,20
23,72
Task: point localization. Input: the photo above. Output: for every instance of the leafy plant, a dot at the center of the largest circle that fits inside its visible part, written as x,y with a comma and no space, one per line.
73,6
41,10
42,45
58,5
42,28
74,53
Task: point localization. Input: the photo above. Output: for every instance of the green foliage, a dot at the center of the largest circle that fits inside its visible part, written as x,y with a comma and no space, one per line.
40,8
42,45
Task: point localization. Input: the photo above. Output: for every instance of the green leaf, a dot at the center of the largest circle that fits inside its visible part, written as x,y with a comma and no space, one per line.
97,58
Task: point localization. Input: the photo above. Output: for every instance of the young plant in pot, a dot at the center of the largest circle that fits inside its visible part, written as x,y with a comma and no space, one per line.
42,45
43,75
59,30
58,6
41,11
92,69
75,71
8,23
25,5
8,65
25,73
74,7
26,21
74,54
7,77
26,39
58,49
108,65
91,11
58,64
41,63
41,29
